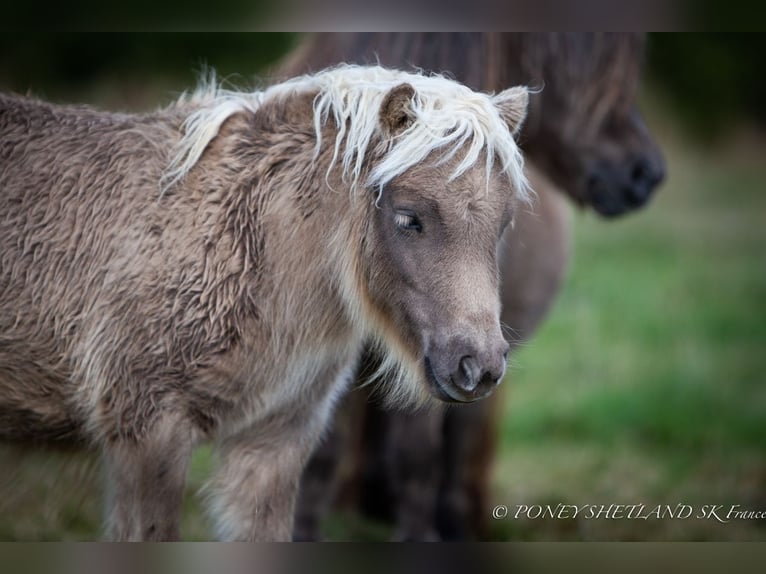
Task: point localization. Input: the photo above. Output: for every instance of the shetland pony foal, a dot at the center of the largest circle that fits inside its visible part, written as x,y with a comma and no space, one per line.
212,271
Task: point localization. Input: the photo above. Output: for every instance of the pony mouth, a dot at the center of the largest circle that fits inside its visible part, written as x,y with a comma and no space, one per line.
443,392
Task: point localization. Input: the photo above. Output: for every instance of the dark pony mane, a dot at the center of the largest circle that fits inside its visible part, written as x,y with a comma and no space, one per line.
600,67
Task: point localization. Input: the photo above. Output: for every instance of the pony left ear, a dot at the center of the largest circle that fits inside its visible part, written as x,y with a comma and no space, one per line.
396,113
512,105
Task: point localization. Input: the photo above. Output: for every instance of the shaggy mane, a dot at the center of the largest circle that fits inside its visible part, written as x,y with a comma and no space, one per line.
448,116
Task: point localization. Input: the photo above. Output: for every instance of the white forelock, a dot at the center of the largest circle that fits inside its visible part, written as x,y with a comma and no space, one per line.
447,117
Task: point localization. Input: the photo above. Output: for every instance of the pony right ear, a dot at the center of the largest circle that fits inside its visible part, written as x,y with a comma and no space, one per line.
396,113
512,105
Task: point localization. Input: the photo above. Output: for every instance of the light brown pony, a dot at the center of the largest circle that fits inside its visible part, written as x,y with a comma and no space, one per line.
211,271
585,138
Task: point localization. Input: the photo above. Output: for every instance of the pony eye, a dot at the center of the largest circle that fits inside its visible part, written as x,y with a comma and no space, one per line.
408,221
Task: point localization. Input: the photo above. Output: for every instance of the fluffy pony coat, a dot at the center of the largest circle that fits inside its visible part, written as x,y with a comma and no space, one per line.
229,304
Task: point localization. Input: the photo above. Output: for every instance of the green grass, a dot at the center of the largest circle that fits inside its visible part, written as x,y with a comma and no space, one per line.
644,385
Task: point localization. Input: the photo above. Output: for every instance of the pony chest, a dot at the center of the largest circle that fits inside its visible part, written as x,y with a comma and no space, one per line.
262,385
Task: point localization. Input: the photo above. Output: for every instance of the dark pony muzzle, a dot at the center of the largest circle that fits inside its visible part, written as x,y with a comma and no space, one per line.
617,188
472,377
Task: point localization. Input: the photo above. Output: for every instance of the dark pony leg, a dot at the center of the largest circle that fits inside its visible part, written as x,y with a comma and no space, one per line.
376,489
470,439
416,445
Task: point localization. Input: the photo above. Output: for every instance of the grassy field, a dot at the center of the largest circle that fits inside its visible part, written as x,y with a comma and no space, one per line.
644,386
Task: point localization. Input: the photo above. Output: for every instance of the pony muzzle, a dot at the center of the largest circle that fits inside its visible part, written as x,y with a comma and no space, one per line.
466,375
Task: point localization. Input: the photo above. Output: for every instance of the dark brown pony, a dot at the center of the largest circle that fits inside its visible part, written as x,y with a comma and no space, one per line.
583,136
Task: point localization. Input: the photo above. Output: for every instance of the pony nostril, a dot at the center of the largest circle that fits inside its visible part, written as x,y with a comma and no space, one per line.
488,379
640,172
470,373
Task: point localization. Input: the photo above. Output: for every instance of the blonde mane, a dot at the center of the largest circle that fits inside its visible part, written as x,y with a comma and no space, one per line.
447,116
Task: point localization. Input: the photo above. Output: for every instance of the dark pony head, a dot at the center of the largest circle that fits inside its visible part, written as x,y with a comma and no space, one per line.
583,129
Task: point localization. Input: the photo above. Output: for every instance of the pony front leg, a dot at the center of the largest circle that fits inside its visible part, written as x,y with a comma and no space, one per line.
253,496
146,479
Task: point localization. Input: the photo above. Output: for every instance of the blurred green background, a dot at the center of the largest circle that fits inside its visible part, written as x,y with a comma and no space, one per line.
645,384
